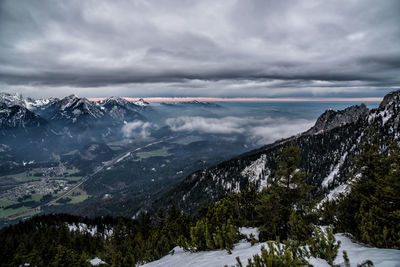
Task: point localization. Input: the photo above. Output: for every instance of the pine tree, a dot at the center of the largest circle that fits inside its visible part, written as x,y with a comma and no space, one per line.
285,194
371,211
323,245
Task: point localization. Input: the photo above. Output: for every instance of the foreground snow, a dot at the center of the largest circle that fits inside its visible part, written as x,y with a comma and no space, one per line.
96,261
243,249
358,253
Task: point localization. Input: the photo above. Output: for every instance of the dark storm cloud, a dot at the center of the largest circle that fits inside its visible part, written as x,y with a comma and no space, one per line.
219,48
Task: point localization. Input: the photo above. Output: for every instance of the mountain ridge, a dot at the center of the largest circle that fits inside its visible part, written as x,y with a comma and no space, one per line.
328,149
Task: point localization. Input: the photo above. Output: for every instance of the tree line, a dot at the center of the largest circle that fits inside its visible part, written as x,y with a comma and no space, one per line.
284,212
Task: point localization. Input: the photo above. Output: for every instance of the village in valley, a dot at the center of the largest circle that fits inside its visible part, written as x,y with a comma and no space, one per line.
23,193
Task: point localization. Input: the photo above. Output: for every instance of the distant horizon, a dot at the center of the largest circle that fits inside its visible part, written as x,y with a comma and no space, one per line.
247,99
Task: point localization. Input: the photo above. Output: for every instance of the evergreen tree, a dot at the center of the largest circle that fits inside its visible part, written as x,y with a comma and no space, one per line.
276,255
371,211
285,195
323,245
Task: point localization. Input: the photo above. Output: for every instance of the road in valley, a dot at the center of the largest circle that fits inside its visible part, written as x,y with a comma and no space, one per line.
86,178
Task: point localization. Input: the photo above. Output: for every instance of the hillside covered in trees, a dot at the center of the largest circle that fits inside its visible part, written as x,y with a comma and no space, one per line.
284,211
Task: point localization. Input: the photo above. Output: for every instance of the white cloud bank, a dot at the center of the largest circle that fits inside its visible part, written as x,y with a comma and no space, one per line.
261,131
227,125
137,128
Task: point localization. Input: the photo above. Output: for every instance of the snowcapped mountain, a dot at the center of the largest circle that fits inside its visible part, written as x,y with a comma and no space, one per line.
73,111
328,150
141,103
194,103
59,124
121,109
200,104
23,134
29,103
34,104
9,99
17,116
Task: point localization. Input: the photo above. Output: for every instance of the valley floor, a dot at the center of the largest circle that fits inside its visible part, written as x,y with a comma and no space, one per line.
218,258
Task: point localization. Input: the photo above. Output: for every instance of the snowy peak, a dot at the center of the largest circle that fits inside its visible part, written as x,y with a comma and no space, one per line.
68,101
17,116
114,100
12,99
332,118
199,103
120,108
391,99
72,109
141,103
388,113
80,106
29,103
33,104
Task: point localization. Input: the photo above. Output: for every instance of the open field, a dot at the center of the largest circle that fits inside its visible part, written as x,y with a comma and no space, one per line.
68,178
20,177
162,152
4,213
6,202
25,214
187,140
71,171
77,196
80,198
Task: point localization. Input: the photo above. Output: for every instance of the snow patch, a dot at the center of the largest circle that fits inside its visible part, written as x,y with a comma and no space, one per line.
141,103
96,261
82,227
334,172
256,171
357,254
92,230
335,193
247,231
76,112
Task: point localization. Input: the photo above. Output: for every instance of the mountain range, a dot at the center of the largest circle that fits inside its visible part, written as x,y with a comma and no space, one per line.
112,149
171,167
53,121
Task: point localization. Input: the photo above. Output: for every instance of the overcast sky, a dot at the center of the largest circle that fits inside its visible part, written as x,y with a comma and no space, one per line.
247,48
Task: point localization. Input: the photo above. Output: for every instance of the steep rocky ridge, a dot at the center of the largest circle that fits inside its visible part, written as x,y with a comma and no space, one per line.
19,117
121,109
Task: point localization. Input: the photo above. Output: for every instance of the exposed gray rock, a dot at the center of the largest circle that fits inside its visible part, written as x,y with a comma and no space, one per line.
331,119
393,98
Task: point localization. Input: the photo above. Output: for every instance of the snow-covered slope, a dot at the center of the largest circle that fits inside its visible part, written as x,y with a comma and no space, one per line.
33,104
72,110
12,99
29,103
121,109
219,258
141,103
16,116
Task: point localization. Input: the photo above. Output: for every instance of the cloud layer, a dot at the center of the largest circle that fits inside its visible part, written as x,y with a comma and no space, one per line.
200,48
137,128
228,125
261,131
